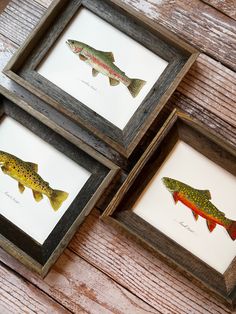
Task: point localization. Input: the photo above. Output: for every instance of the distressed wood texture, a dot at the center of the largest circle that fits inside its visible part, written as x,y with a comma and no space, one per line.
146,279
83,289
80,287
179,55
120,256
3,4
212,86
199,24
19,296
228,7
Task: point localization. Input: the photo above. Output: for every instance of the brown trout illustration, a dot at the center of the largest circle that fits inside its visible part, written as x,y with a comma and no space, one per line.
103,62
26,175
199,202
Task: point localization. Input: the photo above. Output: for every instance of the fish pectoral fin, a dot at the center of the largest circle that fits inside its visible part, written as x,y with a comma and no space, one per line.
211,225
109,55
33,166
206,193
195,215
113,82
4,169
82,57
175,197
95,72
21,187
37,196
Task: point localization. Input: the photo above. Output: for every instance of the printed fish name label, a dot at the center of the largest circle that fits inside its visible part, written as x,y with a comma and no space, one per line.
186,226
11,197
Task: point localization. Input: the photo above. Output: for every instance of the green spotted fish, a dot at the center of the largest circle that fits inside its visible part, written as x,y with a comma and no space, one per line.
26,175
103,62
199,202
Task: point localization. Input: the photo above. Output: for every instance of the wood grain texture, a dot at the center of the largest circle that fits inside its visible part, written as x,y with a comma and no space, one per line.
81,288
3,4
227,7
115,252
23,70
19,18
19,296
203,26
140,271
178,127
212,86
199,24
41,257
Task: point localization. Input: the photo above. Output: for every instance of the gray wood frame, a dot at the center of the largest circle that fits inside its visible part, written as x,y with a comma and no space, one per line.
103,172
119,212
22,69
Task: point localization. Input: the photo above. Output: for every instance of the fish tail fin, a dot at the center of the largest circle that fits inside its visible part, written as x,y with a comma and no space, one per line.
135,86
232,230
57,198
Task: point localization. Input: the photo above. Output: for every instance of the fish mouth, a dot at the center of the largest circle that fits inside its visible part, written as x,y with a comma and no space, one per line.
164,180
167,182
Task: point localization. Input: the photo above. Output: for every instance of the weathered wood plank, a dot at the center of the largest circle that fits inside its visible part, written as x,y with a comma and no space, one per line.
19,18
210,85
44,3
213,86
199,24
227,7
19,296
81,288
114,252
3,4
140,271
206,28
217,124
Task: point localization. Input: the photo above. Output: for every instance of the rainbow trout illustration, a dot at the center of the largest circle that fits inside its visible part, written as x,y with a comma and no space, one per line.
199,202
26,175
103,62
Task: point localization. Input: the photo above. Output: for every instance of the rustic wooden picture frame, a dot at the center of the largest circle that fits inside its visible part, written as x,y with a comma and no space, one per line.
178,126
180,57
19,244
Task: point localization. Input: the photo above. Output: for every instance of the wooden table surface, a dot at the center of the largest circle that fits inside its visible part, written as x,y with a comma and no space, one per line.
104,270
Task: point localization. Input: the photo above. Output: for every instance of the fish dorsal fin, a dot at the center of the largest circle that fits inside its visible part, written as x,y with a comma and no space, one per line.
206,193
33,166
211,225
108,55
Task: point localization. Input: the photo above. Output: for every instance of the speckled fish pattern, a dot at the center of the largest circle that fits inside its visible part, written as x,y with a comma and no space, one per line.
26,175
199,202
103,62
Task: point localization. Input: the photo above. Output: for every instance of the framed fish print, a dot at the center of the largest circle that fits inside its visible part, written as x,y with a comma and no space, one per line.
179,200
103,66
48,184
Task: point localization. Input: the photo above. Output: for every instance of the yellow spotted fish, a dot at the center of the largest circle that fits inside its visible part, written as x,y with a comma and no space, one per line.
26,175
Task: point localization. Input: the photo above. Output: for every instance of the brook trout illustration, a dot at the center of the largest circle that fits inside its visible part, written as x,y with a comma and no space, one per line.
103,62
26,175
199,202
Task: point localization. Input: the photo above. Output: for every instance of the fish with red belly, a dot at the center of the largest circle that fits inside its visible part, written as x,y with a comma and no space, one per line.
199,202
103,62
